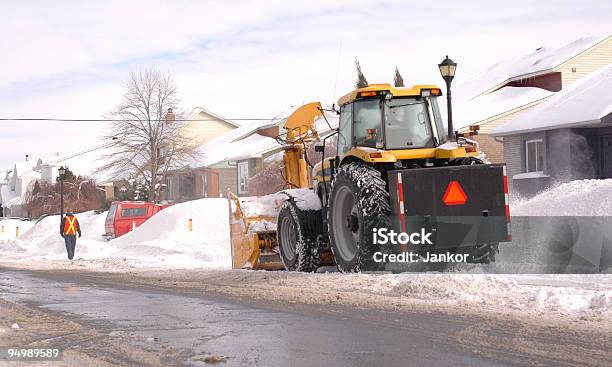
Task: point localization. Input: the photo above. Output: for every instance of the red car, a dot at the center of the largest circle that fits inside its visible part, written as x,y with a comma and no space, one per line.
124,216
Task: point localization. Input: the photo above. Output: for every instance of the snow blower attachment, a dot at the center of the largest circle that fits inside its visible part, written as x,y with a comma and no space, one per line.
395,169
253,234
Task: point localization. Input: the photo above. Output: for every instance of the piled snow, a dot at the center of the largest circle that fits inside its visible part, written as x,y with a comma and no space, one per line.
542,59
266,206
165,239
572,294
162,241
305,199
575,198
495,103
8,228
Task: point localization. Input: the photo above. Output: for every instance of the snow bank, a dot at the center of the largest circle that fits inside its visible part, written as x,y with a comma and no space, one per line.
162,241
165,239
575,198
8,228
584,296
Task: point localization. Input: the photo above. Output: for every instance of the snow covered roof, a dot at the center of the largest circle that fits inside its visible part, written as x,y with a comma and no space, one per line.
6,195
197,110
481,96
586,102
244,142
495,103
541,61
84,162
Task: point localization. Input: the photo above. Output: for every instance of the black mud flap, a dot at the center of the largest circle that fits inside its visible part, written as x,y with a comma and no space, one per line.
459,205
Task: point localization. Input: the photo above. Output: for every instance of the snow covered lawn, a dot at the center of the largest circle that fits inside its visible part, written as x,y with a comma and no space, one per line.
8,228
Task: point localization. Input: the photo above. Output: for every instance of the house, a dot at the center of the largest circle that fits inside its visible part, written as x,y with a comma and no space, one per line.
567,137
260,151
230,160
508,89
17,182
203,125
190,182
20,180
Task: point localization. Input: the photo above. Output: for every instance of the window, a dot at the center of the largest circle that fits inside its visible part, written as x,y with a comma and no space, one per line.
133,212
368,123
345,136
441,125
111,212
534,155
408,124
161,155
243,177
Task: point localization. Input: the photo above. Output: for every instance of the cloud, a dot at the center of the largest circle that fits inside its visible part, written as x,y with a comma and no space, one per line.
249,58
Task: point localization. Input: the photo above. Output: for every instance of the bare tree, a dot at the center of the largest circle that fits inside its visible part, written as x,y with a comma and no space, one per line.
147,133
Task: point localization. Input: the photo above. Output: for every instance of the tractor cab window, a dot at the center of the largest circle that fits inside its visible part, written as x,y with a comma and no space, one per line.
345,135
440,124
408,124
367,123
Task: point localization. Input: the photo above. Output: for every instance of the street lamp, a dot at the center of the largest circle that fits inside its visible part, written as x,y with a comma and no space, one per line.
447,70
62,172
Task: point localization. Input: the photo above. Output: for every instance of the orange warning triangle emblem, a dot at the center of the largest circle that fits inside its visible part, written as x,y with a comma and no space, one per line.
454,194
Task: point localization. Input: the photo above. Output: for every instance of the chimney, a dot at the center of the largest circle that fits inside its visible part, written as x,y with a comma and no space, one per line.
170,118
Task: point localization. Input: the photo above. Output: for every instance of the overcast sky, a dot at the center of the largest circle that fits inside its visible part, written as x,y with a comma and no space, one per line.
250,59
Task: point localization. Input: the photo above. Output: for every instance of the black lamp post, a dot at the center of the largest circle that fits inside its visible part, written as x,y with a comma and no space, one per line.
62,172
447,70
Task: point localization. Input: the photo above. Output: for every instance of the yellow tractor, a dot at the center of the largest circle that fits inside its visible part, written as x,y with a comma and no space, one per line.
396,171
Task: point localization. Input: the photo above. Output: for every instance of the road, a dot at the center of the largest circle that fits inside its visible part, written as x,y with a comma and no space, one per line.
124,324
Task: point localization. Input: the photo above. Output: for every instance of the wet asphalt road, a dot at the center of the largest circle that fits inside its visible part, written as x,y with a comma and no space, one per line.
250,333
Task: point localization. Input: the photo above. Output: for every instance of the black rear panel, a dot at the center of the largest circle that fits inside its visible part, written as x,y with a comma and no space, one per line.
474,211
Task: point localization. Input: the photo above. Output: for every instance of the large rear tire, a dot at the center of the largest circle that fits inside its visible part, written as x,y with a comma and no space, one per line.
297,235
359,202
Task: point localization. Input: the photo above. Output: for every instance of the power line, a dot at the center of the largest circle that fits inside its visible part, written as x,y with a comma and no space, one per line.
133,120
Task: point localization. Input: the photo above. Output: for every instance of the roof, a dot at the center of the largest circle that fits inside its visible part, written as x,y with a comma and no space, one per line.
541,61
396,92
6,195
482,97
244,142
584,103
496,103
198,110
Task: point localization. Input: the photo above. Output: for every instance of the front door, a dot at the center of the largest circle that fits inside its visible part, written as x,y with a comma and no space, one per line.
213,189
606,156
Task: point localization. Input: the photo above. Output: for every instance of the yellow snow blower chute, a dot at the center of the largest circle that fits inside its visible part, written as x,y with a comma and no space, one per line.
253,219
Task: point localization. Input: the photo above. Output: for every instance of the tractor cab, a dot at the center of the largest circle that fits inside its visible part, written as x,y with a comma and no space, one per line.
387,118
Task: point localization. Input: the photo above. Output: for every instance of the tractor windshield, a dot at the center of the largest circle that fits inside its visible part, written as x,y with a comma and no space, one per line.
408,123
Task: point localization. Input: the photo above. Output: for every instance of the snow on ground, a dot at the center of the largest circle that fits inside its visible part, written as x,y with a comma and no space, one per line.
584,295
162,241
8,228
575,198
